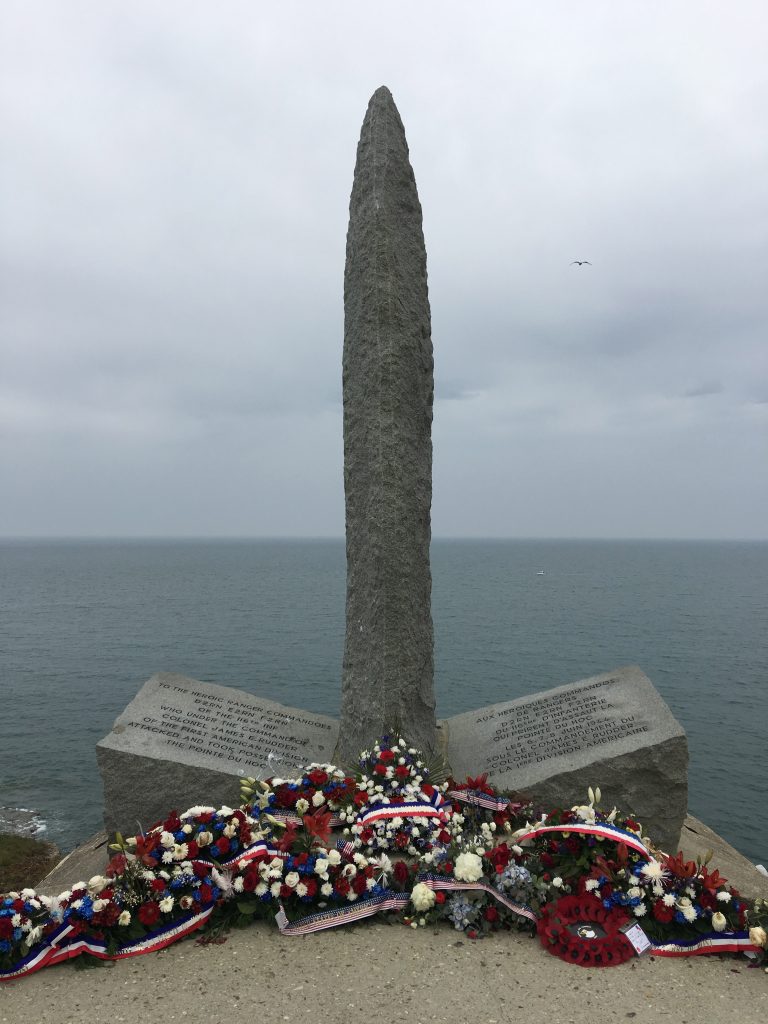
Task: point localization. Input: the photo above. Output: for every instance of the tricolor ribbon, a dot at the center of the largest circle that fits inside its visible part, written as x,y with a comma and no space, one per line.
714,942
612,832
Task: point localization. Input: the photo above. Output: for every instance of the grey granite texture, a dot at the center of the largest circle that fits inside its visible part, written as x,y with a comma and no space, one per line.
613,731
388,392
181,742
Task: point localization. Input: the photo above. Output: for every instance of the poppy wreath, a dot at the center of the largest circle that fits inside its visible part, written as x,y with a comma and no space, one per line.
580,930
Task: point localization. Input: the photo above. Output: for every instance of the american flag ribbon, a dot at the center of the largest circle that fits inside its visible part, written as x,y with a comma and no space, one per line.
479,799
442,883
336,916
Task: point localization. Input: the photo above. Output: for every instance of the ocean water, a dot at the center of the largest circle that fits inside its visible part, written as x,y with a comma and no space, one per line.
84,624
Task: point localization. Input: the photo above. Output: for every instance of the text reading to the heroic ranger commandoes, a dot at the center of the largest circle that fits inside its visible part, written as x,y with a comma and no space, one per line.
556,726
225,728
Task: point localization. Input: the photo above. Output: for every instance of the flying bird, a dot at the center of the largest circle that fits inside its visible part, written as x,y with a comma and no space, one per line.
581,263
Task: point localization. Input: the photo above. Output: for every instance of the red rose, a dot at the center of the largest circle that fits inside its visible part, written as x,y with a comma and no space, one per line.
662,912
401,872
318,777
471,934
386,756
157,885
380,769
439,897
149,913
251,879
491,914
402,771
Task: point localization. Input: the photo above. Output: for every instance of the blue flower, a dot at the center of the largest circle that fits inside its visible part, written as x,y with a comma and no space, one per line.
5,946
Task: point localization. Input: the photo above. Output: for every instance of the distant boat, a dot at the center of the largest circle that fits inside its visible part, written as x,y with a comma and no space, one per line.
540,572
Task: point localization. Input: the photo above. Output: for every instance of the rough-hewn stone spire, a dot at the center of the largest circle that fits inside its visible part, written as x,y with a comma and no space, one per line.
388,391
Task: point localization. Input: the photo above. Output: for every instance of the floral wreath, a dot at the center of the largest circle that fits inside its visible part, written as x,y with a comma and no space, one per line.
580,930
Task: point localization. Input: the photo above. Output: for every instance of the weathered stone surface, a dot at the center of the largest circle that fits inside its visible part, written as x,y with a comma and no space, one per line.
613,731
181,742
388,392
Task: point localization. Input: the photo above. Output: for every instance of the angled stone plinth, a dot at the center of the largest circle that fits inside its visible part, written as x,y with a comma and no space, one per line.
613,731
181,742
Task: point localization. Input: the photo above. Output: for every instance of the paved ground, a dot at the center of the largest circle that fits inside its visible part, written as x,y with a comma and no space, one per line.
383,972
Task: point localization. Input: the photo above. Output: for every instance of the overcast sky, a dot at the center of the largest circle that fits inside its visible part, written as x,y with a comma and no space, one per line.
175,182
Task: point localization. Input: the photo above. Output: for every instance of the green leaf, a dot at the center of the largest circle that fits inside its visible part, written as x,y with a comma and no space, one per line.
247,907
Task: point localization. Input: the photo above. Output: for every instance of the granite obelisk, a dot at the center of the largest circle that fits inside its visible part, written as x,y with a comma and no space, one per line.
388,391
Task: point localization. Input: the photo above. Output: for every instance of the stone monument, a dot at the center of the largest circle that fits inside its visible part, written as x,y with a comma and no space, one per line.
387,675
182,742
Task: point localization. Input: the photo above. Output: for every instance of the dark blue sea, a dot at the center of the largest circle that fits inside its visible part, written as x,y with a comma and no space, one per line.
84,624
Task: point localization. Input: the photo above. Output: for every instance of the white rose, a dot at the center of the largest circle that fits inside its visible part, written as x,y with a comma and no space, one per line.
321,866
719,922
318,799
167,840
468,867
422,897
758,937
334,857
292,879
99,905
94,884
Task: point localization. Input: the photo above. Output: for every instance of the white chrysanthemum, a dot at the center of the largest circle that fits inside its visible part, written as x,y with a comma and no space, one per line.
669,900
590,884
689,913
226,812
166,904
168,857
724,897
557,882
275,889
301,889
422,897
302,806
654,871
326,889
125,918
195,812
658,890
237,885
468,867
261,889
641,910
16,919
